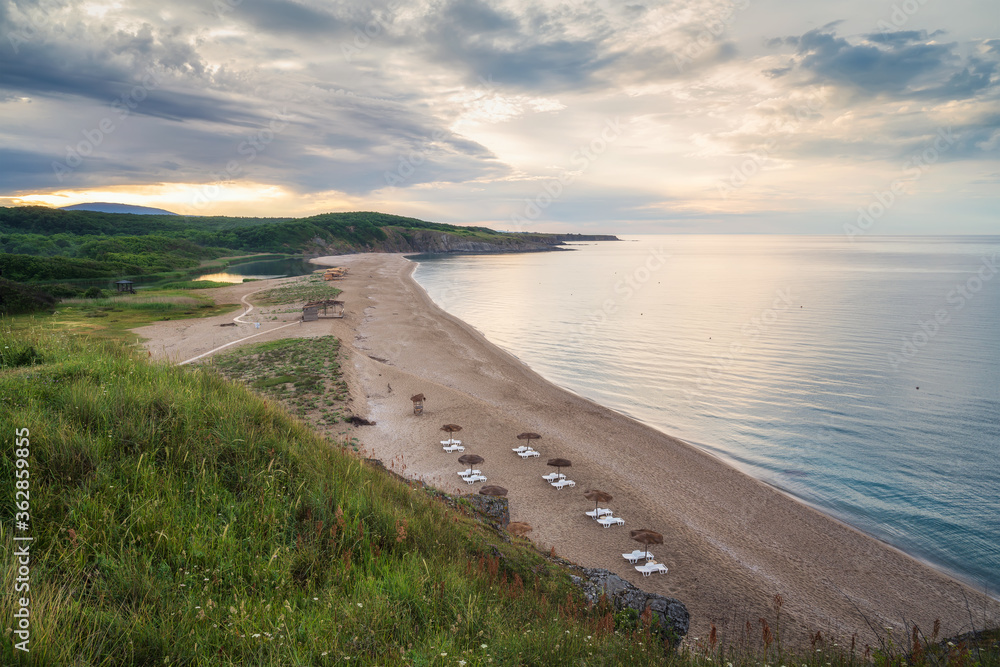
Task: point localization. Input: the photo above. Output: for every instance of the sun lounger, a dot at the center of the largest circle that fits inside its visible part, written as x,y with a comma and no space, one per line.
563,483
454,448
470,471
598,513
451,441
553,476
636,555
518,450
609,521
651,568
528,453
472,479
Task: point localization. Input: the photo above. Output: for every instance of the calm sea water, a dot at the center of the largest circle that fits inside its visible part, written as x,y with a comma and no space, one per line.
860,377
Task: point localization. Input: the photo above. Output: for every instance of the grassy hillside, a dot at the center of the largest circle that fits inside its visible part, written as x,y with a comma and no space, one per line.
38,244
179,519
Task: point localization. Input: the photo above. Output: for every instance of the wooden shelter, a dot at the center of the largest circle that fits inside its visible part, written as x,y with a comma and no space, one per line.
330,308
125,287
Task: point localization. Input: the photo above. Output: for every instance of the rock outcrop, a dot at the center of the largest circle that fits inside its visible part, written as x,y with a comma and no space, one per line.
623,595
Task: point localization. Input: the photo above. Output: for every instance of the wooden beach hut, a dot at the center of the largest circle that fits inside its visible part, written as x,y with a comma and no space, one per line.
331,308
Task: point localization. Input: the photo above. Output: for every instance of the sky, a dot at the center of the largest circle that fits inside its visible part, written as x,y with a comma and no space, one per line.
853,117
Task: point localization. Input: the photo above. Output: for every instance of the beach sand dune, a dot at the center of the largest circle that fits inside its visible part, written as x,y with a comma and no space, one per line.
731,543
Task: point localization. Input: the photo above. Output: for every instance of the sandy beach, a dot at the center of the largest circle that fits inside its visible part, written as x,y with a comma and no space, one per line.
731,543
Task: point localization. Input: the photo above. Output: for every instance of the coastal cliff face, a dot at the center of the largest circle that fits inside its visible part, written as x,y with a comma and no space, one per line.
432,241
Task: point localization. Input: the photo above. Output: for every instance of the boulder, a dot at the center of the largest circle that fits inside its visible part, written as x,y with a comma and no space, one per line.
624,595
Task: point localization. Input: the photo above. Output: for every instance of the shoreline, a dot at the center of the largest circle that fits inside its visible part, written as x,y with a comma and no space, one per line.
731,542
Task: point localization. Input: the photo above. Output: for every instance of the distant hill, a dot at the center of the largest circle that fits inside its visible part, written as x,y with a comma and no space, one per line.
105,207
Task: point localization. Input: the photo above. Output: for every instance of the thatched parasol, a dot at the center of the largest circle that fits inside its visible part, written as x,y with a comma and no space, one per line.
558,463
518,528
492,490
470,459
451,429
647,537
529,437
419,398
598,497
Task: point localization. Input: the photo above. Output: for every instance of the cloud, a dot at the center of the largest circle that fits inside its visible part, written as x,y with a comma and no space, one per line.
530,51
903,64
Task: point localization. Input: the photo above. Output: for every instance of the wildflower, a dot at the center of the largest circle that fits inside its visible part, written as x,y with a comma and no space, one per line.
313,598
256,635
461,663
359,605
482,646
444,655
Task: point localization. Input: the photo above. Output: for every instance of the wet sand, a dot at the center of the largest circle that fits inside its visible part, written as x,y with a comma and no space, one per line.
731,543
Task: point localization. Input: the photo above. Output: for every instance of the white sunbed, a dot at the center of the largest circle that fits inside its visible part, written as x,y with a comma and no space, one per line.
651,568
454,448
609,521
528,453
563,483
472,479
636,555
518,450
451,441
470,471
598,513
553,476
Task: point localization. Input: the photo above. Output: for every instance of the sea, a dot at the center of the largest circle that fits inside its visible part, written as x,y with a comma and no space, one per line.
861,376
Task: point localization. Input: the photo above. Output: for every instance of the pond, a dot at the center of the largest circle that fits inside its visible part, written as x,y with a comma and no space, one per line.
270,268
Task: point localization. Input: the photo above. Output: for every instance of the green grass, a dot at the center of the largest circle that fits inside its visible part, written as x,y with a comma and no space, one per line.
303,373
194,284
115,317
306,288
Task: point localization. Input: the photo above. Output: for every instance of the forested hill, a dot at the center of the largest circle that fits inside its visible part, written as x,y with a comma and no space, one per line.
95,244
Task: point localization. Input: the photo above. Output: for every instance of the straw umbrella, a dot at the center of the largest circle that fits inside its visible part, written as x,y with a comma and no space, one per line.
492,490
647,537
529,437
558,463
451,429
598,497
518,528
418,403
470,459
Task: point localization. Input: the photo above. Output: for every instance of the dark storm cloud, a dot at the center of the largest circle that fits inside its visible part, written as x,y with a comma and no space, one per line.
902,64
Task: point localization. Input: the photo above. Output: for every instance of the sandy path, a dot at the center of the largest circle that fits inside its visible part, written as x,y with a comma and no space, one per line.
731,543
